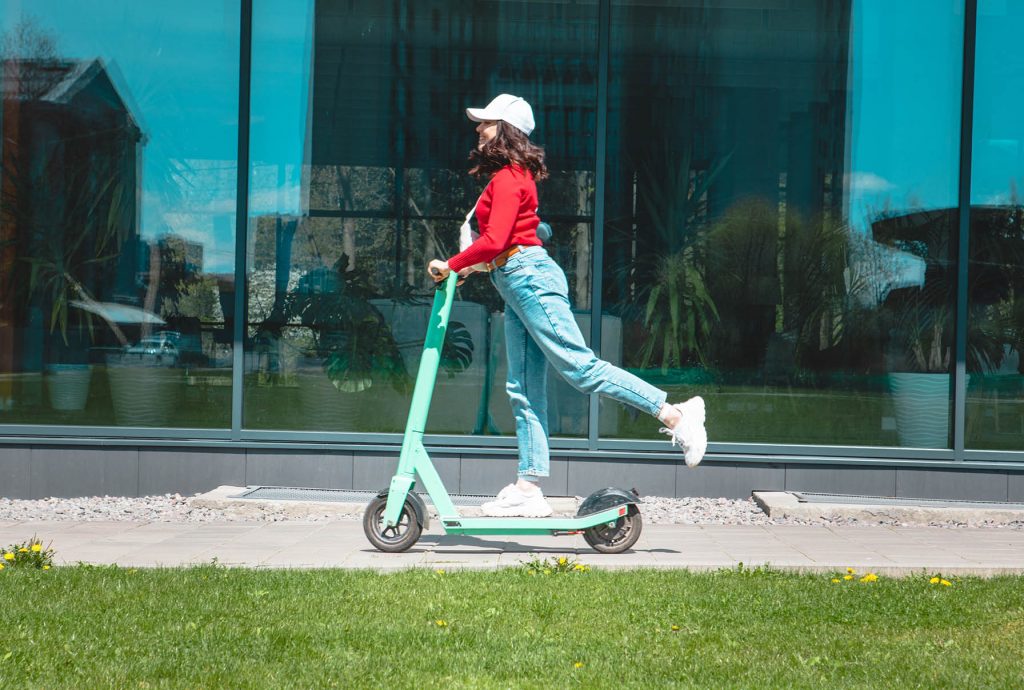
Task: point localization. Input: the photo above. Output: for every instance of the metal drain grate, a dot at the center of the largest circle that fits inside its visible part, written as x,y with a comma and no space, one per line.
810,497
288,493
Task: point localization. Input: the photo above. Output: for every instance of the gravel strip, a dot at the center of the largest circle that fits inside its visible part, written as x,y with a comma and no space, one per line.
177,508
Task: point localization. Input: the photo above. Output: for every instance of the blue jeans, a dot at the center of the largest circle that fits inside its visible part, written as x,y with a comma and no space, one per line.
540,328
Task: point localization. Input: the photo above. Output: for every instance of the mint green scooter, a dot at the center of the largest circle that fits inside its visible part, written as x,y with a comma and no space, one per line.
609,519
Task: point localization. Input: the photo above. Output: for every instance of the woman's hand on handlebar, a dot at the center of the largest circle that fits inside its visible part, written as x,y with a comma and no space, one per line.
439,270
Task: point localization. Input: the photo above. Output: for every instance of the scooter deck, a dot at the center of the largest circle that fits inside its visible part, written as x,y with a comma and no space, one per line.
524,525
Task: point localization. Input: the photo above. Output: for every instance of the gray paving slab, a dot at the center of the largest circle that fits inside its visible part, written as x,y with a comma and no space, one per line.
341,544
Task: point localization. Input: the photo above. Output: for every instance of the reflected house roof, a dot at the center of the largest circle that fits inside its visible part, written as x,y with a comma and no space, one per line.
75,117
63,82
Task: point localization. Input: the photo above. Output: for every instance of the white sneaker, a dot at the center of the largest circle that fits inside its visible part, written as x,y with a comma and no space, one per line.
512,502
690,433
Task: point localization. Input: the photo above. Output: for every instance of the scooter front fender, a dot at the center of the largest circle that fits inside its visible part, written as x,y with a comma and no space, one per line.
418,505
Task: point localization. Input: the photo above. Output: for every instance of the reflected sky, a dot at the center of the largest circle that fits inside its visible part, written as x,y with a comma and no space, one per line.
282,48
904,106
997,174
176,66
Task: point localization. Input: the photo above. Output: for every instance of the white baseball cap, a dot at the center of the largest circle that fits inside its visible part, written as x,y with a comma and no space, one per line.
507,108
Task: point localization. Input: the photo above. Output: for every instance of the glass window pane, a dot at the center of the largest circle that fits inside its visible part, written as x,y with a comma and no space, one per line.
782,183
359,150
117,230
995,336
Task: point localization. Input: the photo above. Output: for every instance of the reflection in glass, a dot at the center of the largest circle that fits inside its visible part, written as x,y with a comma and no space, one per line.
780,180
117,224
995,336
359,151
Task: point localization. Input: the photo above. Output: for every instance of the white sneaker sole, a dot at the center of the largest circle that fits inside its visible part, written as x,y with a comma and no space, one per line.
516,511
690,433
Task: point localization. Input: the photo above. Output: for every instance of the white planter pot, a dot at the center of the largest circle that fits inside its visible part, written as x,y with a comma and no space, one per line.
68,386
922,403
144,395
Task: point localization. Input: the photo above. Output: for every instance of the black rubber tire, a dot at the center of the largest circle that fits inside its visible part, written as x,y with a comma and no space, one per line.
393,539
622,536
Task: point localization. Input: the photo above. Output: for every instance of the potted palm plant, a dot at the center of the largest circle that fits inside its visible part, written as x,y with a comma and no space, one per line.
921,334
674,302
352,348
70,256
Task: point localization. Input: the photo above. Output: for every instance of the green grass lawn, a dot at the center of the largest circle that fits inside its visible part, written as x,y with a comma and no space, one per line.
86,627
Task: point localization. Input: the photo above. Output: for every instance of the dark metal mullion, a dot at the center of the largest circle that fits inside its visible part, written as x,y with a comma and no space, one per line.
401,108
964,227
241,218
597,272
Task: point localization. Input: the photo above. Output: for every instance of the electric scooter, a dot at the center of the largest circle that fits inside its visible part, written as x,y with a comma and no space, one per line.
609,519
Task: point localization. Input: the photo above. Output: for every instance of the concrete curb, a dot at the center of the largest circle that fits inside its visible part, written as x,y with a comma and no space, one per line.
784,504
224,498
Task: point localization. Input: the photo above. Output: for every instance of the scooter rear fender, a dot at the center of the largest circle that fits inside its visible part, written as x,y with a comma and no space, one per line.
607,498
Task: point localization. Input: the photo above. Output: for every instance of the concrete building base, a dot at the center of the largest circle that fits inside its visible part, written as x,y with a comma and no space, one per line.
42,471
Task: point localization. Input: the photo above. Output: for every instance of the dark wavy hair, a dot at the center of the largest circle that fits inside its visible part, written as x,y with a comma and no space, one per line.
509,145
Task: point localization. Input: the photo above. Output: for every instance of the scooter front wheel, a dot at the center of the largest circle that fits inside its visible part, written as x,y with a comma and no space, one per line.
618,536
397,537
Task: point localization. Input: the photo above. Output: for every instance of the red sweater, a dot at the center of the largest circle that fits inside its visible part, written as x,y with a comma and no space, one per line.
506,215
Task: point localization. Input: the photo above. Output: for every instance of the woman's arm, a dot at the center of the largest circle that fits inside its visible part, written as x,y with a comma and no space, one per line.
506,194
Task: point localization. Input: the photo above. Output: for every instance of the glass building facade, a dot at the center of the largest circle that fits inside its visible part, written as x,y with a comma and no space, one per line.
215,220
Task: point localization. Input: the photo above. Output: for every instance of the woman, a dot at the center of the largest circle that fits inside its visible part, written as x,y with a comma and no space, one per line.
539,325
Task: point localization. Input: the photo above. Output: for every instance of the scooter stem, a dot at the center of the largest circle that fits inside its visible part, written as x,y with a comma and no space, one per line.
431,359
423,391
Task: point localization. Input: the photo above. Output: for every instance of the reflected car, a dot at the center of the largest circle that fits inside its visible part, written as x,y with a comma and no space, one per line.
159,349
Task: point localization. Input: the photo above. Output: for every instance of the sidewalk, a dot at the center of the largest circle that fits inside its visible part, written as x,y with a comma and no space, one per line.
341,544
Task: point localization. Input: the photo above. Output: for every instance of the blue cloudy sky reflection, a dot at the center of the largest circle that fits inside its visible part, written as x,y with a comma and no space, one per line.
177,67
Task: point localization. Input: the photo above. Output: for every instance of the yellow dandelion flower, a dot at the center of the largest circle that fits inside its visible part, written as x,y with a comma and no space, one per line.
46,567
675,628
836,579
851,571
934,581
578,664
847,577
1,566
439,571
9,556
563,560
440,623
37,547
22,550
945,583
870,577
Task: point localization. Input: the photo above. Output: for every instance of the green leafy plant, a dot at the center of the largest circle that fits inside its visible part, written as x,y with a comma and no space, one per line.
560,565
457,351
679,313
29,554
350,336
673,300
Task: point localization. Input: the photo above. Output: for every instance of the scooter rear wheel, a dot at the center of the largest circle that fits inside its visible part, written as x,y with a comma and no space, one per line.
617,537
391,539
